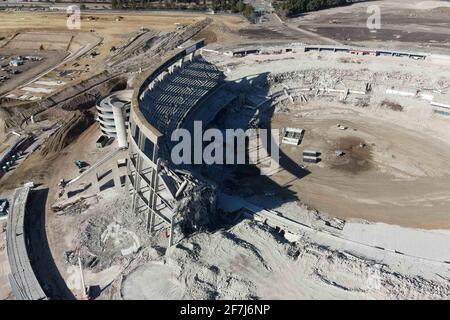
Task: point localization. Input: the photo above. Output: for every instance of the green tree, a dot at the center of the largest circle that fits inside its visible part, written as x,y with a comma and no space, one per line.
292,7
240,6
248,12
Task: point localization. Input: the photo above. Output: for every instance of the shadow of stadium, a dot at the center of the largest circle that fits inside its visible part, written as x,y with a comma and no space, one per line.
246,179
39,251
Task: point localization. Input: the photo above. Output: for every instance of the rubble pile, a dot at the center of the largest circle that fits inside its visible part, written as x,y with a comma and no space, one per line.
317,78
249,261
196,211
132,60
360,88
107,234
316,81
74,207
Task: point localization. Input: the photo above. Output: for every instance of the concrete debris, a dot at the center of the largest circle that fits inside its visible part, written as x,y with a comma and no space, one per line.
107,234
339,153
73,208
347,85
200,268
196,211
141,50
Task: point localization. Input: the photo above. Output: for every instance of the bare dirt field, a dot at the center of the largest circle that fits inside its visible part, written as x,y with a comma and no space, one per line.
34,41
223,30
250,261
349,33
401,180
105,25
421,24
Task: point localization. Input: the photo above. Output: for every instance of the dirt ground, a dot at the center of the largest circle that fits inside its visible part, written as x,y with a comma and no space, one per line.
30,68
421,24
59,230
99,33
103,25
395,181
250,261
223,29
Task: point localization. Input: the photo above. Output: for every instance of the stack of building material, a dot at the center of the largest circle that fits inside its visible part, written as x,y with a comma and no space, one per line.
293,136
311,156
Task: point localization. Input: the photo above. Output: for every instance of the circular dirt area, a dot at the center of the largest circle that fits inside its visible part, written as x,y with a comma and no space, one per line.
369,168
152,281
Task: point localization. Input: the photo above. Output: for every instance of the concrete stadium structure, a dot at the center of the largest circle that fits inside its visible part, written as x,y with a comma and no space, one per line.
165,98
113,115
180,90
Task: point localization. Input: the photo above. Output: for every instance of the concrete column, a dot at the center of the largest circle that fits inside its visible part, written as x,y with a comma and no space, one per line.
116,176
152,223
137,178
171,232
119,121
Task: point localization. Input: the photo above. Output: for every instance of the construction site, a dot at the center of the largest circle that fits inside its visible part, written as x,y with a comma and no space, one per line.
348,198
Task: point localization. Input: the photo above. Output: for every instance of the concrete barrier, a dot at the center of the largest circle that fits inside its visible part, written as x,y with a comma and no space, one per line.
22,278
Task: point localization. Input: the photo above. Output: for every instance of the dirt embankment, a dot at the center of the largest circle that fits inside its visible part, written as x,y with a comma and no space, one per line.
84,94
79,122
80,96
